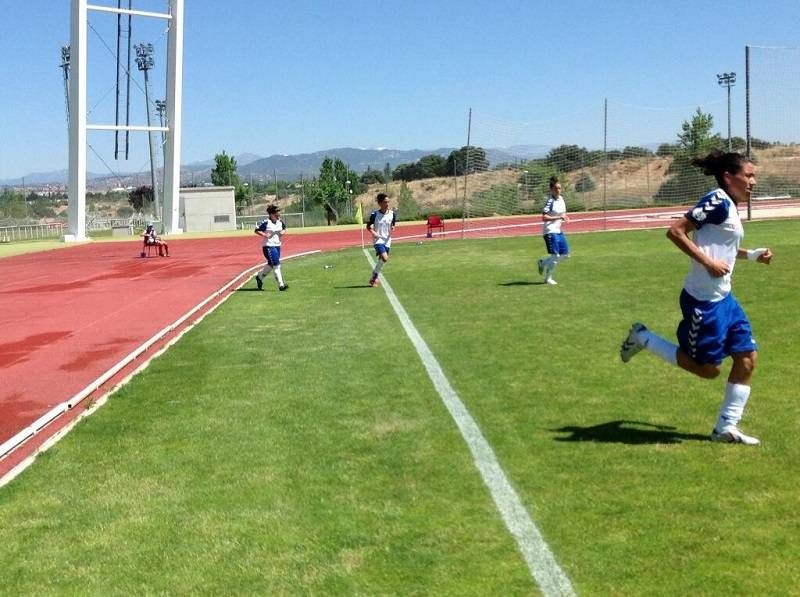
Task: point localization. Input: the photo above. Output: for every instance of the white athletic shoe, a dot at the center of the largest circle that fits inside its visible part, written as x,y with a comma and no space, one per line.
540,264
732,435
632,344
550,281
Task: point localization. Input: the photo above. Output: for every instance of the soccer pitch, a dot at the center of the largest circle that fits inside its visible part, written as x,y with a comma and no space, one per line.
292,443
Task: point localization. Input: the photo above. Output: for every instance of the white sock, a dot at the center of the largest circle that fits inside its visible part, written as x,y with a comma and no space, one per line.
659,346
278,275
550,265
730,413
264,271
378,268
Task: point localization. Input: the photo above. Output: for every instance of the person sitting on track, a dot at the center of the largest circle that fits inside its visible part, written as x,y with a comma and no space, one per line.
151,238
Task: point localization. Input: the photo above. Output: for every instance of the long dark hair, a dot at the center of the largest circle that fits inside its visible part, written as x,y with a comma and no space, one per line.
717,163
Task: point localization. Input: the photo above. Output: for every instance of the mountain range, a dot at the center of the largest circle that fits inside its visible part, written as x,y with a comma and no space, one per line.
285,167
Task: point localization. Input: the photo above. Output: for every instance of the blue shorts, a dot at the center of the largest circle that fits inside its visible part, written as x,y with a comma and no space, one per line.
272,255
711,331
556,244
380,248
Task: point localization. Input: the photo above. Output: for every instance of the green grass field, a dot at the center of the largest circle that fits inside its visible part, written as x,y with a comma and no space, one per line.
292,442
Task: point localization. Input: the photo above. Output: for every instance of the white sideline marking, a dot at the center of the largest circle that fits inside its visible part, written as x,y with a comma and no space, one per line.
541,562
41,423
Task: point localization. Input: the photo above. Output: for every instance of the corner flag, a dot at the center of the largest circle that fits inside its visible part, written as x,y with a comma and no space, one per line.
359,215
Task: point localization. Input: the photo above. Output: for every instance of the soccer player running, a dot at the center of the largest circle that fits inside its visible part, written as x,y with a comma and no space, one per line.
714,325
553,215
380,225
271,230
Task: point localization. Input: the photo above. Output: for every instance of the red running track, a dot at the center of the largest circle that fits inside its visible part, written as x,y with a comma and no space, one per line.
70,315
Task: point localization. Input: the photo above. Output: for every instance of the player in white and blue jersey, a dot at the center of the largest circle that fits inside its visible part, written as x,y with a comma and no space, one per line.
380,225
553,215
271,229
714,325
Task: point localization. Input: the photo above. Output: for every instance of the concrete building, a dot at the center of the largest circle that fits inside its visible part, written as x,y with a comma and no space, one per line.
207,209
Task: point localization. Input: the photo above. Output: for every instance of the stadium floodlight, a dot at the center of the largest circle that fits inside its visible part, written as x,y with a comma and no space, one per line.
65,68
527,185
728,80
161,110
145,62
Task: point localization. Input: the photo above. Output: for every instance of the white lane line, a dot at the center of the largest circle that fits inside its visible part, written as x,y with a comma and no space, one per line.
42,422
541,561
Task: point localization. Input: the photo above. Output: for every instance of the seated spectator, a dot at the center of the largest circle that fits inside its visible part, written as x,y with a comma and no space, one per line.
151,238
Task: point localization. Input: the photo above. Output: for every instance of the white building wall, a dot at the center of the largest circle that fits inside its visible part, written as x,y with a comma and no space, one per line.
207,209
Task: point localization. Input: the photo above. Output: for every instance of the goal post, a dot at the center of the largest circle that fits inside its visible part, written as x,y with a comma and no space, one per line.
773,120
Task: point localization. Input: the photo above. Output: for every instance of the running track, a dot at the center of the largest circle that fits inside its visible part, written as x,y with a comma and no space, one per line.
70,315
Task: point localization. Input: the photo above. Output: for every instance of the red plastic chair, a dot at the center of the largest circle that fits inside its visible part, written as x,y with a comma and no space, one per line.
435,222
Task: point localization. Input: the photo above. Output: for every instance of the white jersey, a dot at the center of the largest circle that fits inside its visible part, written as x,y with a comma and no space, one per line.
719,234
382,223
276,228
554,206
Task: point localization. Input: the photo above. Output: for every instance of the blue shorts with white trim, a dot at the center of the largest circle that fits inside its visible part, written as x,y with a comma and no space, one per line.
556,244
711,331
272,255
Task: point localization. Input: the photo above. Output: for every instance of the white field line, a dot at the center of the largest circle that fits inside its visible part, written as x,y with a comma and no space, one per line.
540,560
644,216
42,422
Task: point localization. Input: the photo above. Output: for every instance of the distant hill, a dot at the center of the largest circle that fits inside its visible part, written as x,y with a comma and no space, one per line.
290,167
286,167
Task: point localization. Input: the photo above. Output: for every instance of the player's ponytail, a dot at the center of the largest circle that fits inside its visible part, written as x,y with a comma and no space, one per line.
717,163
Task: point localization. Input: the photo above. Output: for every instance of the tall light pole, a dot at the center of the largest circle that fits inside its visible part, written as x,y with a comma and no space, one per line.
65,68
728,80
161,110
144,61
527,186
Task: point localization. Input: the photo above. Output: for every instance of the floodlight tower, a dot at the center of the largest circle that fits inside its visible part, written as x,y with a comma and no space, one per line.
728,80
161,110
64,66
145,62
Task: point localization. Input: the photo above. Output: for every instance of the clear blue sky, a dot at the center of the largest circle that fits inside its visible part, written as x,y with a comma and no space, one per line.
290,77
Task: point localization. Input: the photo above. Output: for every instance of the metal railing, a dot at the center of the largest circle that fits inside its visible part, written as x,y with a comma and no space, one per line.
10,234
293,220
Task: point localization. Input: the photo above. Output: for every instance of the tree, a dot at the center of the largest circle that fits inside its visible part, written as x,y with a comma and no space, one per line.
535,178
567,158
406,172
695,137
336,186
224,172
372,176
666,149
243,195
406,204
585,184
12,205
141,198
632,151
224,175
687,182
469,155
432,165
